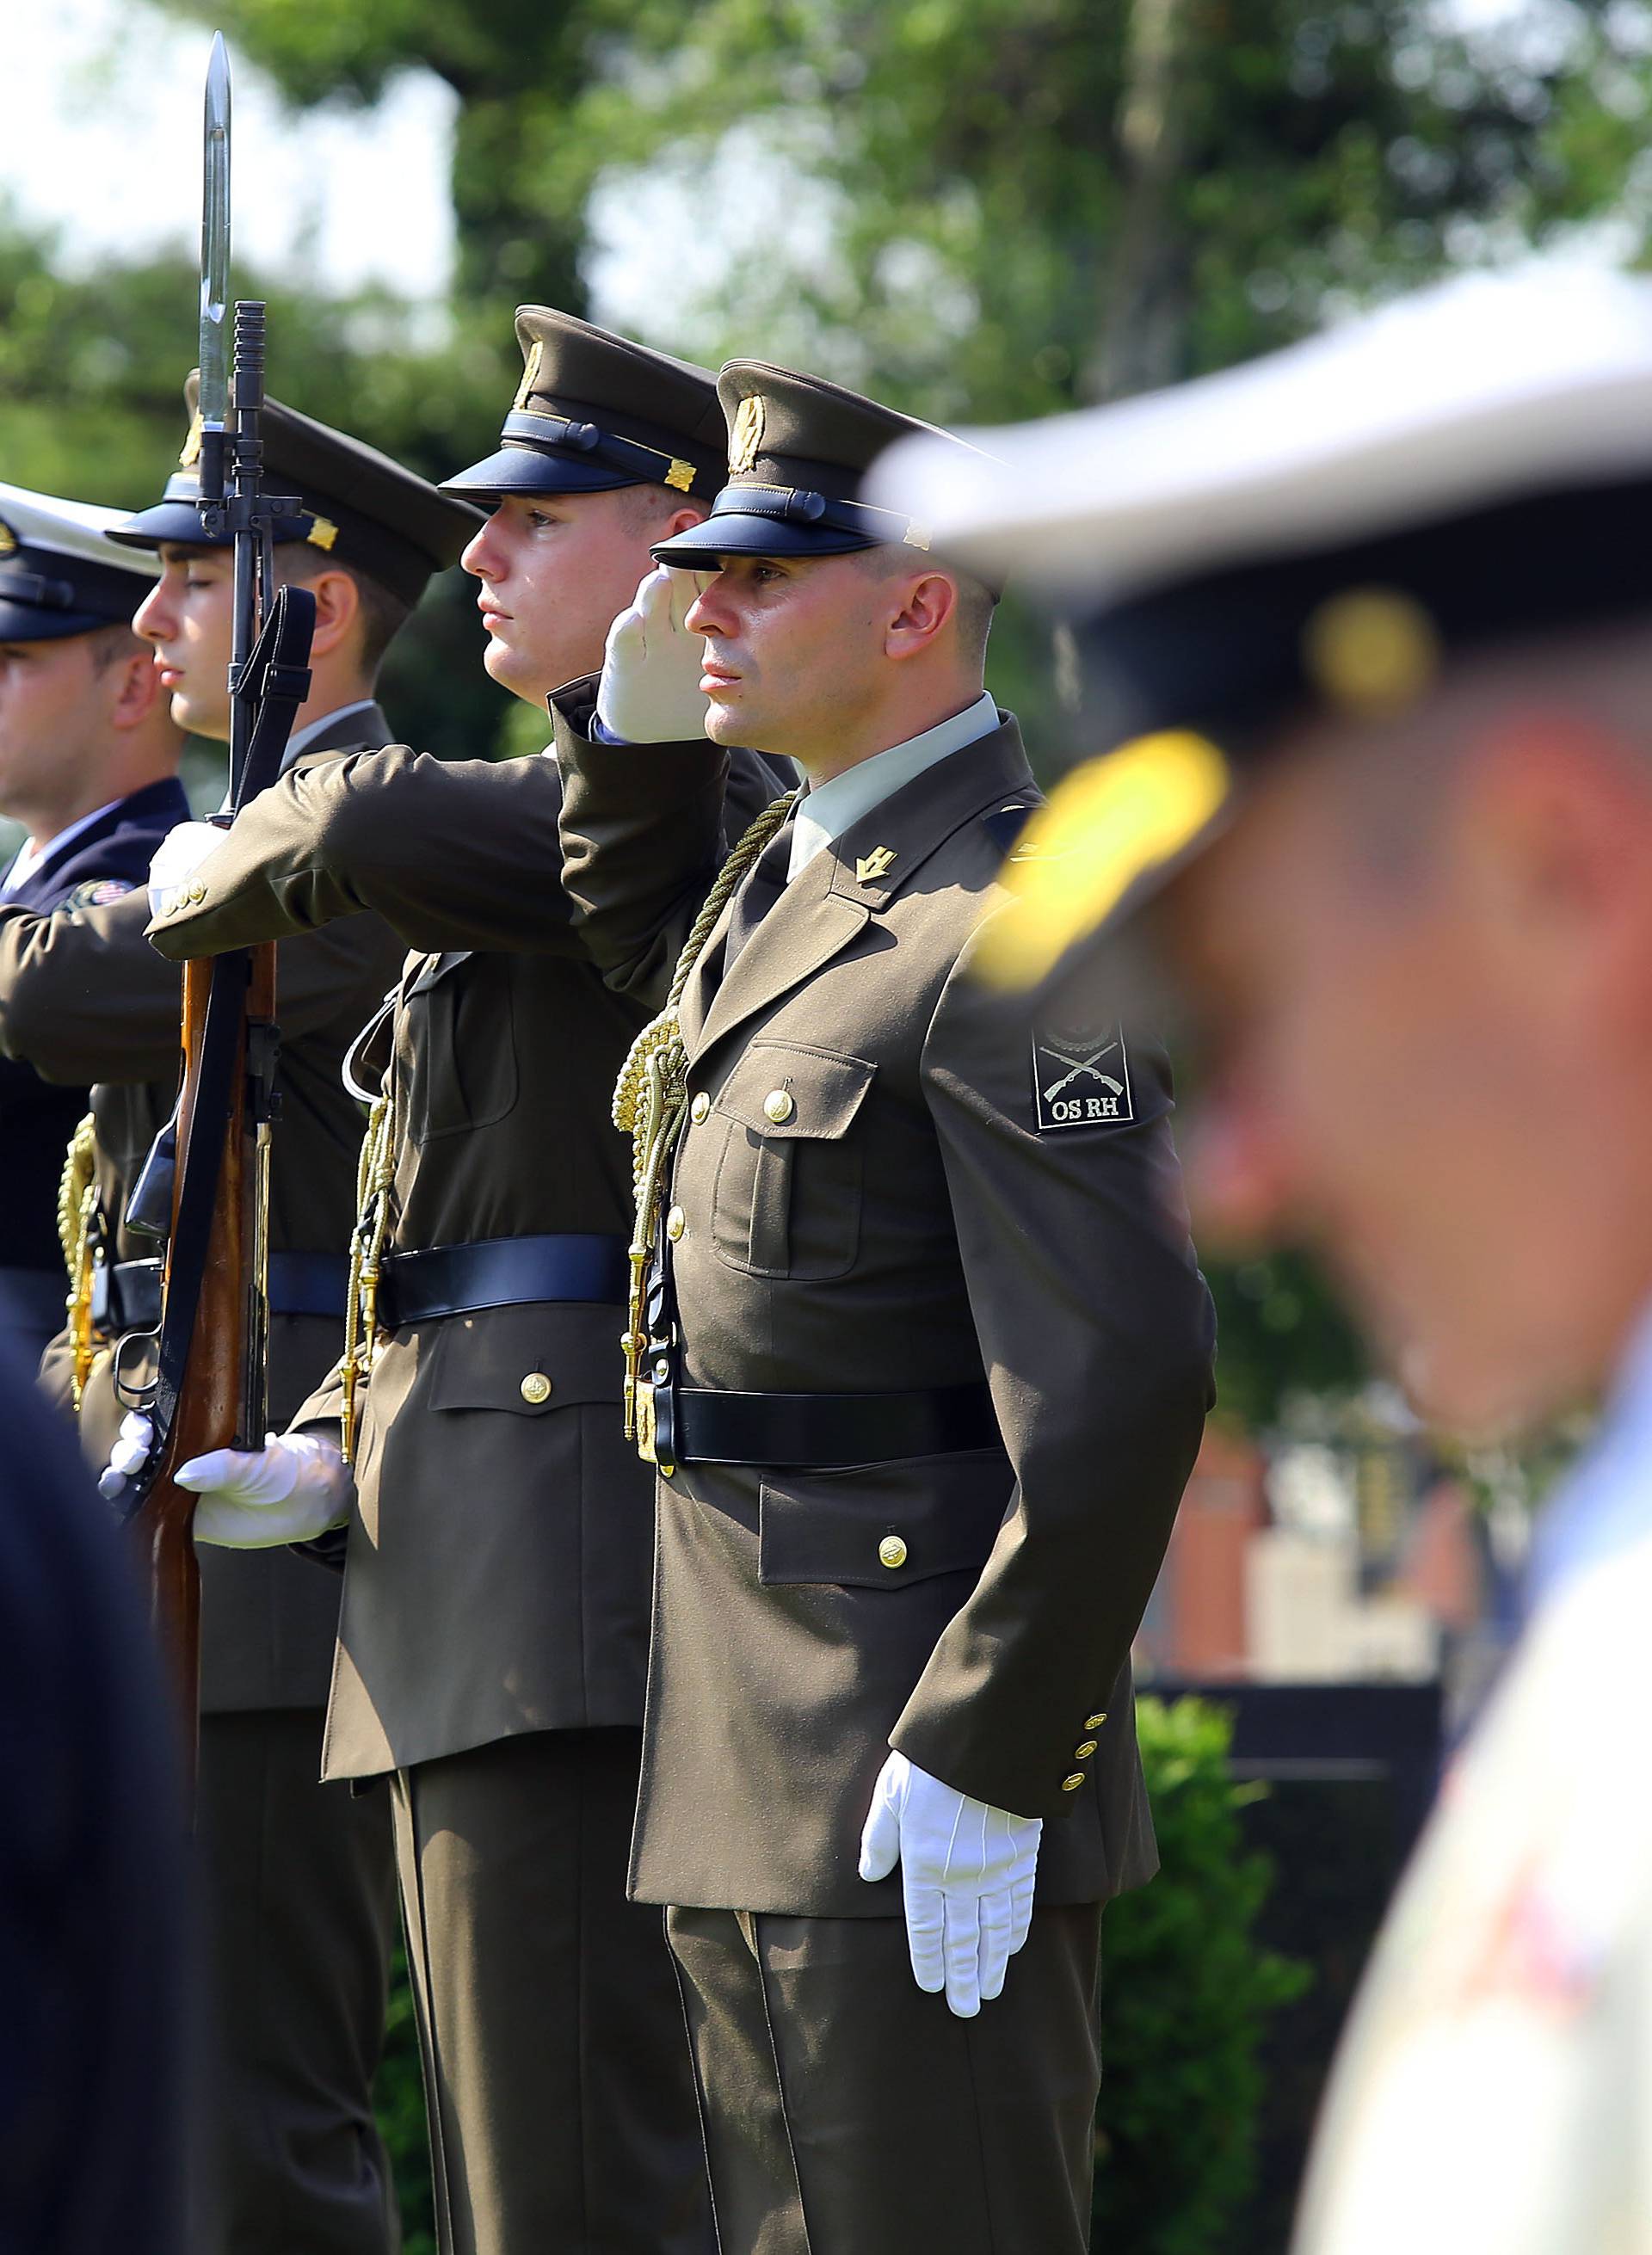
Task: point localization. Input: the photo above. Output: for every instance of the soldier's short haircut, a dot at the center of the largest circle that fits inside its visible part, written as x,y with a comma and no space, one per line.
644,507
976,602
109,645
383,614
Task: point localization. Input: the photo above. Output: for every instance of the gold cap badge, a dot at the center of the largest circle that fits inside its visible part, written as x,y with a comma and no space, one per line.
191,454
8,539
531,373
746,440
1372,649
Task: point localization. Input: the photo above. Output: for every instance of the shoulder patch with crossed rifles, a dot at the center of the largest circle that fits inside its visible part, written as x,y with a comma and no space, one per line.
1079,1079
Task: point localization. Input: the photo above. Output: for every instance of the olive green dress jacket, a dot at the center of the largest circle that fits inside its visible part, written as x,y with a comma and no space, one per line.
84,997
496,1575
875,1193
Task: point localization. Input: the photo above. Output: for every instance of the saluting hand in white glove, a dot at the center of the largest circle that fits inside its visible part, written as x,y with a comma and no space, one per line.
968,1873
176,858
649,691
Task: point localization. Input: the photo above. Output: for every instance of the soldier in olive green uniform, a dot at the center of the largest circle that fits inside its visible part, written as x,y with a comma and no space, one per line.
493,1645
301,1884
926,1365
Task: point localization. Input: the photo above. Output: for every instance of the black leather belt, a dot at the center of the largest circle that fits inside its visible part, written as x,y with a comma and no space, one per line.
823,1432
126,1294
500,1272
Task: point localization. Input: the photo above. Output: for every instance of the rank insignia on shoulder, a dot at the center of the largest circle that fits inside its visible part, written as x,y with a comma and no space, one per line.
1080,1078
98,892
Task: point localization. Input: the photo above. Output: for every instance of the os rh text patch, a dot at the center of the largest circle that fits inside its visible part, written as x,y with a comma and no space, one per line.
1080,1078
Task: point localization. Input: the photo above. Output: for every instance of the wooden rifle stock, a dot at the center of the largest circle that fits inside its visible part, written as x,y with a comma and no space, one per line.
219,1396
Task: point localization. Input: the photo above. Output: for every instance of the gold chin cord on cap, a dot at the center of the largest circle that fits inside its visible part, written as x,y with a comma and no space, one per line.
649,1098
375,1181
1106,824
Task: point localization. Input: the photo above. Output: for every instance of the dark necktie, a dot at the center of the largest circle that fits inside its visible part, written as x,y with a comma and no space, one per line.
764,884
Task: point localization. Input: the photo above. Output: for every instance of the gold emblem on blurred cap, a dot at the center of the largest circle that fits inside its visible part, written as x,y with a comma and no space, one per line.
191,454
8,539
746,440
531,373
1373,650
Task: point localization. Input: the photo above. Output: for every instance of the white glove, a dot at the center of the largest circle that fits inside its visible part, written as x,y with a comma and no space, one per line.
292,1490
650,690
966,1875
176,858
129,1455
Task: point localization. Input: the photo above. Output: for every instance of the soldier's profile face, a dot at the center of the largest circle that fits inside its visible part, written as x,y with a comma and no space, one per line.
188,618
54,718
1405,1060
794,651
556,571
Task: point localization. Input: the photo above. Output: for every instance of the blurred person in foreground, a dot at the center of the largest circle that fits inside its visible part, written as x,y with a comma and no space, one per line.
96,1976
1375,649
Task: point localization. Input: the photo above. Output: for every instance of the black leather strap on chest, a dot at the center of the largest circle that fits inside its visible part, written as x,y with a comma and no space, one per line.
500,1272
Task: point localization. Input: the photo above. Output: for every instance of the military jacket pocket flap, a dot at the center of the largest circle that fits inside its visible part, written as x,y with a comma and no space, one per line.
783,1090
527,1360
883,1525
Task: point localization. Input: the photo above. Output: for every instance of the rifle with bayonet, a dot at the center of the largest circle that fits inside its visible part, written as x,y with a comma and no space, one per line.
209,1171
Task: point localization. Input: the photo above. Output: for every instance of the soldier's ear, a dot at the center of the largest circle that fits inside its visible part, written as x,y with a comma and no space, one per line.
920,607
135,687
338,609
684,520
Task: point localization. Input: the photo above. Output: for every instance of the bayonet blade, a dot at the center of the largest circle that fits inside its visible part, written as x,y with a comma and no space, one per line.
214,243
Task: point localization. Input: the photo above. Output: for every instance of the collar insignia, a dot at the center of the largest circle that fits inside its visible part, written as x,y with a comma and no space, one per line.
870,866
746,440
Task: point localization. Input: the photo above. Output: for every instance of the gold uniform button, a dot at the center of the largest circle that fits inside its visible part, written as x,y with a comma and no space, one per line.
1094,1722
700,1110
779,1105
676,1223
536,1387
1072,1784
1084,1752
892,1551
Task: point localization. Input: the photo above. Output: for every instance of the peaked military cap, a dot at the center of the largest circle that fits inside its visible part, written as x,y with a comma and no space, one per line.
59,575
799,449
594,411
1319,532
357,504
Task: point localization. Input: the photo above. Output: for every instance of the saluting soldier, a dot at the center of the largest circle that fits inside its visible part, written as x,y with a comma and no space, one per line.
300,1877
493,1645
1372,620
88,765
926,1362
